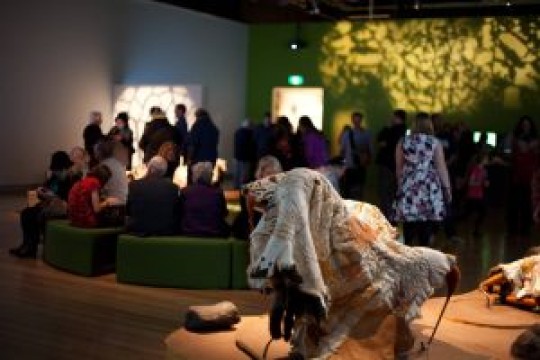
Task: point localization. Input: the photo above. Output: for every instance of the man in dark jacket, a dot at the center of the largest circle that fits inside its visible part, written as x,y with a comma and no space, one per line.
244,154
387,140
181,127
92,134
203,139
156,132
153,202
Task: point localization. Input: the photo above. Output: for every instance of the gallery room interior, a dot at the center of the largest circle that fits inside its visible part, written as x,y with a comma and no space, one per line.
349,179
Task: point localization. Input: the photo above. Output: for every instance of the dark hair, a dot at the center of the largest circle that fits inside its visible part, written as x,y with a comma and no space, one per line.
306,123
423,124
357,114
181,107
123,116
100,172
401,114
60,161
518,129
155,110
284,123
201,113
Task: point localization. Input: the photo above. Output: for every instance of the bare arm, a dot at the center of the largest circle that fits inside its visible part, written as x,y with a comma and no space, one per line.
96,204
440,165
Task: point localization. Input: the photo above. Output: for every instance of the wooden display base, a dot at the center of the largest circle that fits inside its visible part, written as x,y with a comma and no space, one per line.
469,330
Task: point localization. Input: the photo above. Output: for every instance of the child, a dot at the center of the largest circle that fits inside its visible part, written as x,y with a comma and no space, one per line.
84,203
477,182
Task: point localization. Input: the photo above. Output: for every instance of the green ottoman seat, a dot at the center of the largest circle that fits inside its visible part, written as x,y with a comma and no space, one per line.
81,251
175,261
239,264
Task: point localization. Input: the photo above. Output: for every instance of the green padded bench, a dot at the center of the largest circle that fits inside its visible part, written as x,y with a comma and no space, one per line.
81,251
175,261
239,264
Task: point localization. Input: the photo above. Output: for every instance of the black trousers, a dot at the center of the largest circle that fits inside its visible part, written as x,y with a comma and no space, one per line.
478,208
352,183
519,216
387,187
423,230
32,225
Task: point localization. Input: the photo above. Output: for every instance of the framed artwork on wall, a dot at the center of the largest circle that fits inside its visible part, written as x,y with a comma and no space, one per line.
295,102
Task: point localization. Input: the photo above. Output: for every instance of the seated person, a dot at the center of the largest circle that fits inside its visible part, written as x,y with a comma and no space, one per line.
115,156
84,203
80,159
169,151
203,206
153,202
52,204
241,228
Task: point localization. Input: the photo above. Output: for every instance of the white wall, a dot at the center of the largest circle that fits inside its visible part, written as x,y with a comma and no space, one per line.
169,45
54,69
61,58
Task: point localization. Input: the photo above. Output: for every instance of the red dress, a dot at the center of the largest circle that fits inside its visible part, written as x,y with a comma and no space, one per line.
477,180
80,210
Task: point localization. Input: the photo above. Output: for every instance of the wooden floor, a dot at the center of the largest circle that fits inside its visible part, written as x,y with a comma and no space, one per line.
49,314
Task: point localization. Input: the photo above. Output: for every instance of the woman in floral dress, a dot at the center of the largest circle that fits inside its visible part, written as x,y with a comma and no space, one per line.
423,183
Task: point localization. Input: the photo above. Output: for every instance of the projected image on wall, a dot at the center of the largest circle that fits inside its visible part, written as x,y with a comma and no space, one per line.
436,65
138,99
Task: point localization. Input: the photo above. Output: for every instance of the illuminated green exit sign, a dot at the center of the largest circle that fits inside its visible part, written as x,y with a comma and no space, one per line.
295,80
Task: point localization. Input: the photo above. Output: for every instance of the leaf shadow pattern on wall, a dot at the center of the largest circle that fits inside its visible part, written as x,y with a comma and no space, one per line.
435,65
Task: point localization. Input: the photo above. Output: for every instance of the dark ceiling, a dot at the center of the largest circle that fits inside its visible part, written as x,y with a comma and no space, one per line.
264,11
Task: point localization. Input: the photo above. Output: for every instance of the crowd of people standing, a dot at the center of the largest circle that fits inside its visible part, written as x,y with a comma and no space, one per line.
433,175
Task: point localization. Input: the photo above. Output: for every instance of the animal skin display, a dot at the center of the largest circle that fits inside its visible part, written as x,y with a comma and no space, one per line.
516,283
334,262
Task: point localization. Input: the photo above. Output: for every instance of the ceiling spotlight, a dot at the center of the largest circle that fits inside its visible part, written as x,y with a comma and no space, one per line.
508,3
297,43
416,5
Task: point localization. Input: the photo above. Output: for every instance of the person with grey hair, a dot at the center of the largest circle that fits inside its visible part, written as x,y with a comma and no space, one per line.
268,165
203,206
241,228
153,205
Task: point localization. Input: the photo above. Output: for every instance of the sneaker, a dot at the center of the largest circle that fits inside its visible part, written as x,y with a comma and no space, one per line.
27,252
17,250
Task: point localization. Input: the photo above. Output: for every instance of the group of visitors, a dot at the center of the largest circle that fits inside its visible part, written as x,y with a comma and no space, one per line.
434,174
307,147
90,186
432,177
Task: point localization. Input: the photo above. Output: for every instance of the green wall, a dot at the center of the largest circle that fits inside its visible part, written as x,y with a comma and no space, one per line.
483,71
